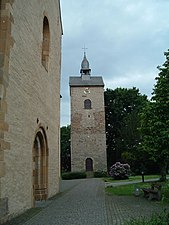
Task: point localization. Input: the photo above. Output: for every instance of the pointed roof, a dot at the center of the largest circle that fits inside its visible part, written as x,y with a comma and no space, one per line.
85,62
85,79
85,66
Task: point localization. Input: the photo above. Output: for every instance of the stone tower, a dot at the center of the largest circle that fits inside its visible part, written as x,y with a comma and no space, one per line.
88,139
30,62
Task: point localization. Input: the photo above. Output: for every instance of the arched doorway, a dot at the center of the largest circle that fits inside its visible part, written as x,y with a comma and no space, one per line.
40,166
89,165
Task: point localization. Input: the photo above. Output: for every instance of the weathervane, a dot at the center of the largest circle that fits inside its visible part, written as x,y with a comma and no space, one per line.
84,49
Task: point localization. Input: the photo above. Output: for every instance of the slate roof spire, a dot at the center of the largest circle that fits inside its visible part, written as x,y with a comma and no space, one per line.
85,70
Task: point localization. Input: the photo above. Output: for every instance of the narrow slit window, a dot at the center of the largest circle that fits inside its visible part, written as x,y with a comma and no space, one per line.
45,43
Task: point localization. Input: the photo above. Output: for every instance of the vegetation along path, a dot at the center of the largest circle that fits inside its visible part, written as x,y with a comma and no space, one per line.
84,202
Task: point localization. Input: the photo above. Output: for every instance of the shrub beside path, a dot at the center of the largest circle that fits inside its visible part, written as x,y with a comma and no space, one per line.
84,202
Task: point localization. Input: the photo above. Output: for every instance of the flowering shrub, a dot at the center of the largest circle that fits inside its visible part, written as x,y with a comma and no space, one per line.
120,171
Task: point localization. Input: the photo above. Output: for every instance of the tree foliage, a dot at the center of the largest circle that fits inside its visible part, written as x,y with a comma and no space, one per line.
155,120
65,148
122,108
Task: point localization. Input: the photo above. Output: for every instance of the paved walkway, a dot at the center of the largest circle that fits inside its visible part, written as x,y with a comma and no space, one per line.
84,202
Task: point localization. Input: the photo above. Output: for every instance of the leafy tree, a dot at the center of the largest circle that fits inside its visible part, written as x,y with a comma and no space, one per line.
155,120
122,108
65,148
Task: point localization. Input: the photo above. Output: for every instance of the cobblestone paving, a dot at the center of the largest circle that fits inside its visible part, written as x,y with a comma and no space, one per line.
123,208
84,202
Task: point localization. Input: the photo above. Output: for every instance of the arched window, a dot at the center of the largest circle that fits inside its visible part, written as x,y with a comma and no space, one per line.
45,43
87,104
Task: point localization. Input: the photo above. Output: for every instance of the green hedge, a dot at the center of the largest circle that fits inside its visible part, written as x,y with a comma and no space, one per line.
100,174
73,175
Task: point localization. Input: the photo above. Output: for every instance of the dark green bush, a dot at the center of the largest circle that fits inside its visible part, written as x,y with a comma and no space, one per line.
73,175
100,173
156,219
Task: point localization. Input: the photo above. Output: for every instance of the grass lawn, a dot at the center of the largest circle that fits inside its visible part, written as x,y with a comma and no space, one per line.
132,178
128,190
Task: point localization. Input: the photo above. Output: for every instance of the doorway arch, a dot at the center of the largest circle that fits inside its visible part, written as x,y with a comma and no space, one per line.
40,166
89,165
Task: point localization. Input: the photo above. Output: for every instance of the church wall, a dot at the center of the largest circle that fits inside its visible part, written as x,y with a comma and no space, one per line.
32,97
88,138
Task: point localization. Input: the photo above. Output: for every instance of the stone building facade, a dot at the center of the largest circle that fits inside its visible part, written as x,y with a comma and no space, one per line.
30,62
88,139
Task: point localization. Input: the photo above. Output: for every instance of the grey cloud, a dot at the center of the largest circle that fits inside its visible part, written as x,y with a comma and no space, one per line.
125,40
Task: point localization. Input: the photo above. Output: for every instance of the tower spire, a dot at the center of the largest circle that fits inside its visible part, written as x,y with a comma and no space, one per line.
84,50
85,70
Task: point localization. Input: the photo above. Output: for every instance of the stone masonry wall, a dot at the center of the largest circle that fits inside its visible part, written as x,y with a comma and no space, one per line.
6,42
88,138
31,99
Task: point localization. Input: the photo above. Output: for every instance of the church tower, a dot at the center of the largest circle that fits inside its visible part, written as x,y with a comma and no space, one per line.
88,138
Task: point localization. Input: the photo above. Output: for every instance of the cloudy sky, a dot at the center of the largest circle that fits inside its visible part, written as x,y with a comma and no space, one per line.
125,41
